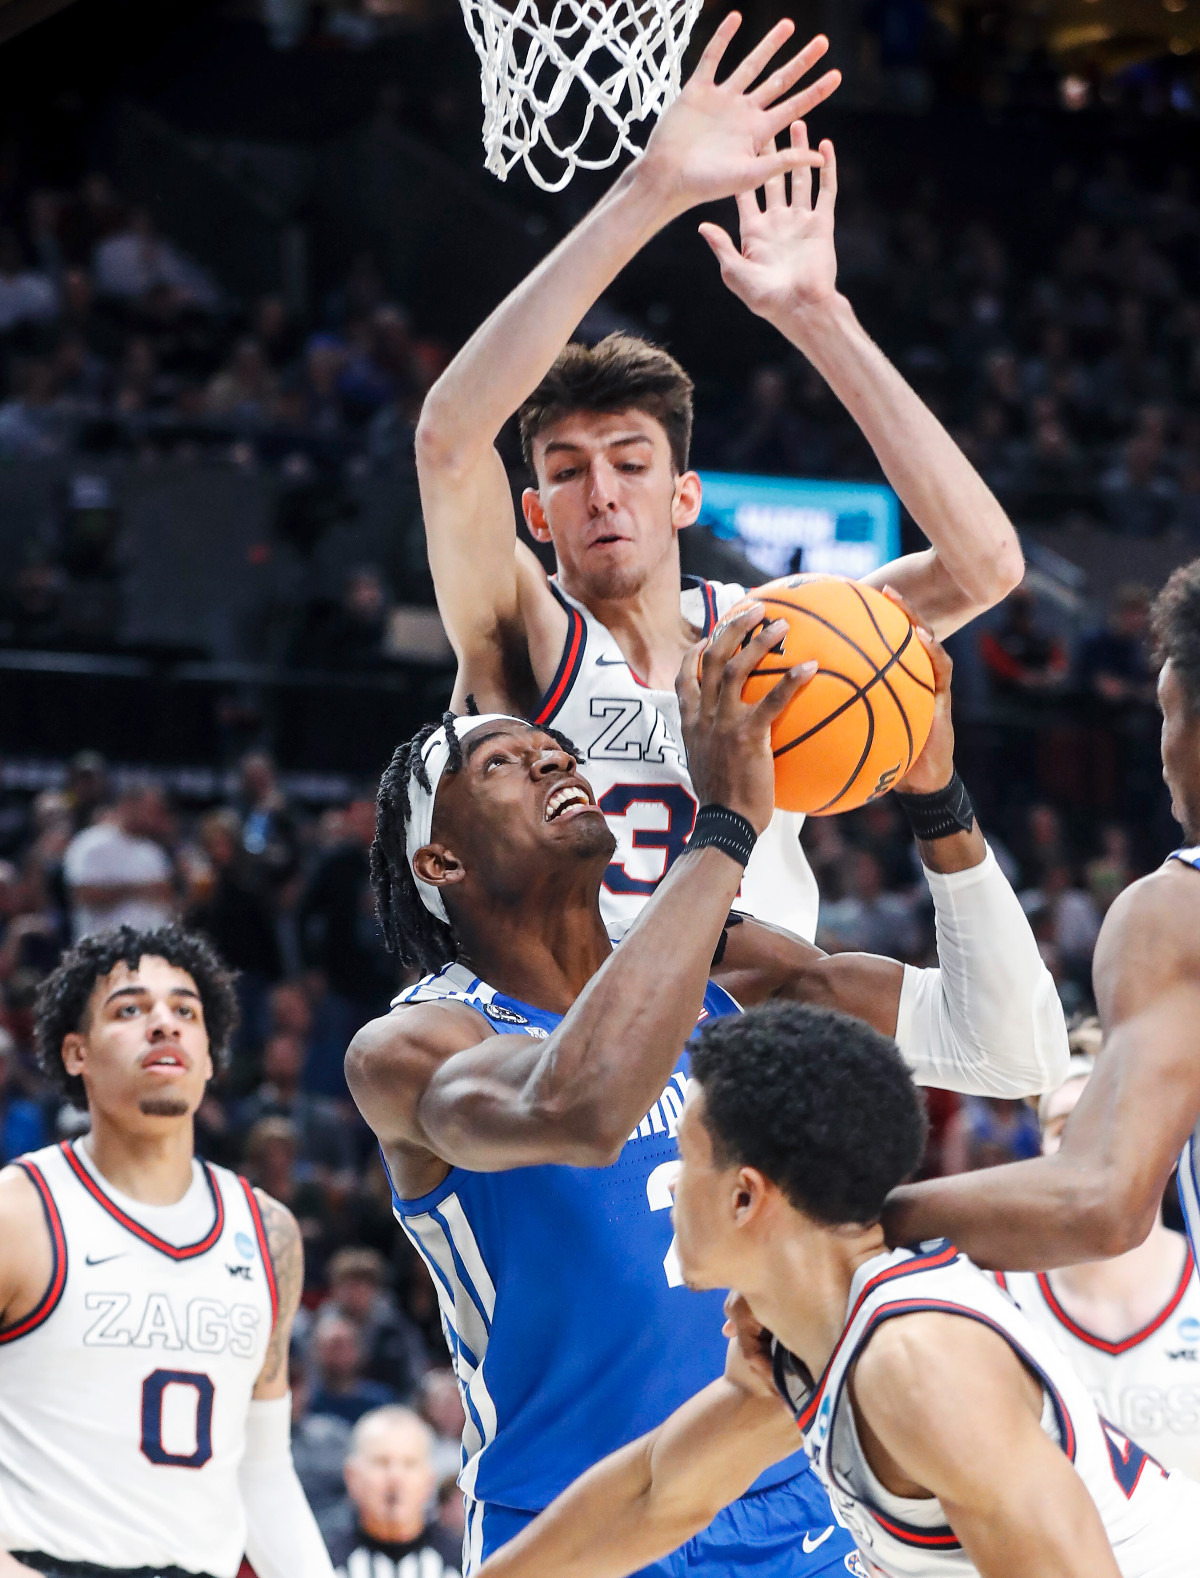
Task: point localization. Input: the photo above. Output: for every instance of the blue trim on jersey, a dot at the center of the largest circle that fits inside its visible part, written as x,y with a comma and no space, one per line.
464,1274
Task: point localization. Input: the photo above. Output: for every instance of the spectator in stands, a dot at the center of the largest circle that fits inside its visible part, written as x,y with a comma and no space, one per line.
440,1406
319,1444
136,261
1139,491
32,424
869,919
336,1360
452,1509
118,871
25,1120
351,633
393,1351
270,1152
244,390
1022,661
766,435
343,946
1114,663
269,839
987,1132
27,296
321,1131
390,1485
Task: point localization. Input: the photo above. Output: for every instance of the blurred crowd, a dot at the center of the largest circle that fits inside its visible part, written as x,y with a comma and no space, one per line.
113,339
1070,375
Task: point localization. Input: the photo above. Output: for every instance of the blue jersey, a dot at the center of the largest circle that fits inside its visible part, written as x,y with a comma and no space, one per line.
560,1293
1189,1162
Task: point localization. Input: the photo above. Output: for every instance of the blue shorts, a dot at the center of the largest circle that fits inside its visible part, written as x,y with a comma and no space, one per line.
787,1531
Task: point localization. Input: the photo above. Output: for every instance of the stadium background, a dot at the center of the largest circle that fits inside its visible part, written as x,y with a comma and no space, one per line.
237,243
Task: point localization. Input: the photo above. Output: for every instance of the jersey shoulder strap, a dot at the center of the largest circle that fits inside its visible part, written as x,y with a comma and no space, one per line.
1190,857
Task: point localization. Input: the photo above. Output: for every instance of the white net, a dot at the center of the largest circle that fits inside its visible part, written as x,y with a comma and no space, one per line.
563,93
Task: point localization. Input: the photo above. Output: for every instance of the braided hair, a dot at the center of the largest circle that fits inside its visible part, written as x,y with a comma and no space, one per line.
418,938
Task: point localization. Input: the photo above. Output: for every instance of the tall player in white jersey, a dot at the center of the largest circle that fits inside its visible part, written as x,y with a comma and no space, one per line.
606,433
146,1298
954,1439
1099,1194
1130,1325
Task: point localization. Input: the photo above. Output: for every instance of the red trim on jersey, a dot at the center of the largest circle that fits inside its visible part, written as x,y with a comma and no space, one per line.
264,1248
1000,1280
710,607
932,1262
1126,1343
943,1539
568,666
186,1251
46,1305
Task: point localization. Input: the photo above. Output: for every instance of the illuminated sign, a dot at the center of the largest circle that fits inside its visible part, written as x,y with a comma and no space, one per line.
786,524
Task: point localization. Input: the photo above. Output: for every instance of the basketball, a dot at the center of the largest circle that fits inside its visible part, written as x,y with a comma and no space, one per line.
863,719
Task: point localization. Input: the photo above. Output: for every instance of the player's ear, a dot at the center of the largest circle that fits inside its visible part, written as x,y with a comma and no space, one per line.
439,866
688,497
748,1196
74,1053
535,516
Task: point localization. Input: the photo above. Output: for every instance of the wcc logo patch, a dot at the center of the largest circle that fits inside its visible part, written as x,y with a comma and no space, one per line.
506,1016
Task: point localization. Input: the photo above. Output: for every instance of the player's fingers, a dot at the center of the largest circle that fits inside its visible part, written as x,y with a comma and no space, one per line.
723,646
687,684
943,666
796,160
714,50
784,78
827,195
764,640
747,206
800,104
791,684
776,188
801,182
909,612
756,62
727,254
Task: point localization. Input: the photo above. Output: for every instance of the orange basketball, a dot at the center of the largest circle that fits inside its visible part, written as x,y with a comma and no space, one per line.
864,717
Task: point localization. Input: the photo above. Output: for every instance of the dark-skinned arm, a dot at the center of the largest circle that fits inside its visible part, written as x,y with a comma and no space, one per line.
1097,1196
988,1020
424,1078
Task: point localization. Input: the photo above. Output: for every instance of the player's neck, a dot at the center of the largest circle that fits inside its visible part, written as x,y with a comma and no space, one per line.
647,626
155,1168
1115,1298
806,1289
542,953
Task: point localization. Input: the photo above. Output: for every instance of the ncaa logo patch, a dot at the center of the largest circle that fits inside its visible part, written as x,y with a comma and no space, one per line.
506,1016
245,1245
1189,1329
854,1564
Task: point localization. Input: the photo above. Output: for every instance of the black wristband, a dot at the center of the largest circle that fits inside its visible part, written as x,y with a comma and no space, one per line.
940,814
718,826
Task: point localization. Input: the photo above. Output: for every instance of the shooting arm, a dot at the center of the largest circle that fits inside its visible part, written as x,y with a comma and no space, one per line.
1097,1196
510,1101
946,1403
634,1507
282,1538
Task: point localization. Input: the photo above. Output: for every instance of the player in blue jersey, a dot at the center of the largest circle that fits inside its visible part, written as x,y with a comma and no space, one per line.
526,1092
1140,1114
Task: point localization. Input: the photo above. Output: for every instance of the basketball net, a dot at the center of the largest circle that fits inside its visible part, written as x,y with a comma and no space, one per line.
596,70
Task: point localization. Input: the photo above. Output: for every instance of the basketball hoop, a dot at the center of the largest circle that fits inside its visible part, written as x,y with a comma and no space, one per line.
589,64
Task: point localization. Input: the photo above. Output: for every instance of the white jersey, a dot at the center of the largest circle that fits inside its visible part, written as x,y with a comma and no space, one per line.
124,1393
1152,1517
1189,1162
631,752
1148,1384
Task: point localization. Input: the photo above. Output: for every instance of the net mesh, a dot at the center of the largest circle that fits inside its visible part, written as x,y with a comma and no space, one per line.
563,93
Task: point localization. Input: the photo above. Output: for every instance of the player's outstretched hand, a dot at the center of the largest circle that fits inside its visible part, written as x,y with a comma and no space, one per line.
748,1361
934,768
728,740
718,138
787,260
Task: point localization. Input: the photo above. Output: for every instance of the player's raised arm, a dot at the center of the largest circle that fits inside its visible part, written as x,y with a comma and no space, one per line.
714,140
987,1020
425,1079
282,1537
951,1412
786,272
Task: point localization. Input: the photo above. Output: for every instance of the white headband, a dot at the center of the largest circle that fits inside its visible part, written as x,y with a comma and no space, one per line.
435,753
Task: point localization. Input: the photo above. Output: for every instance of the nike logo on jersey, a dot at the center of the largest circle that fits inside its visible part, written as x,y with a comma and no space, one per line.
101,1260
809,1545
611,662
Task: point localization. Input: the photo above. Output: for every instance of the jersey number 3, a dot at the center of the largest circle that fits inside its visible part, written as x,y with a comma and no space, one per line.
680,810
154,1391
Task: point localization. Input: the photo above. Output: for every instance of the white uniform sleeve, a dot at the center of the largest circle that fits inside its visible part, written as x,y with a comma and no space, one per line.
282,1538
987,1021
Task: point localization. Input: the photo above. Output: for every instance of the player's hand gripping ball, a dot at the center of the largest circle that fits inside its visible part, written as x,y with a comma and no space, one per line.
862,720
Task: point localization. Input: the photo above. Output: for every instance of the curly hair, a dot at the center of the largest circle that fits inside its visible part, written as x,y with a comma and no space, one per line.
418,938
821,1104
1175,623
60,1007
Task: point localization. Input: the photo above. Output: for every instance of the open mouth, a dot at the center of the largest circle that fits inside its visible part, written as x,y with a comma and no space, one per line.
563,800
164,1061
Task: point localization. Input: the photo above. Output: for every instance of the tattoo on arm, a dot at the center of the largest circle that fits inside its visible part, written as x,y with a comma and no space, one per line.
287,1259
